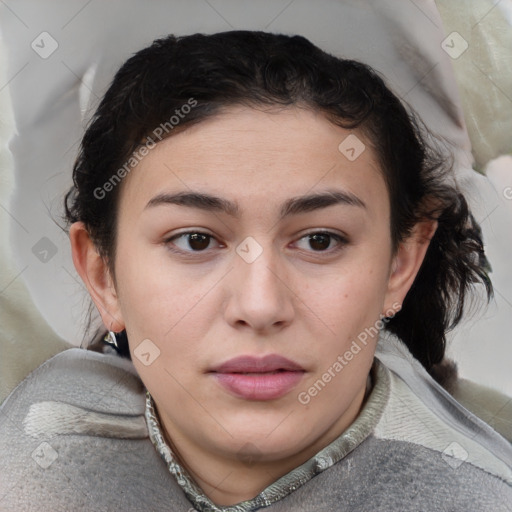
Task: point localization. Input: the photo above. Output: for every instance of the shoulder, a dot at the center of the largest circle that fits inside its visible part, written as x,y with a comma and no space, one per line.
82,378
78,392
74,432
423,426
431,418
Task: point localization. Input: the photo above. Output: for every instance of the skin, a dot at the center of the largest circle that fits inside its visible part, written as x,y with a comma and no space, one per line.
304,301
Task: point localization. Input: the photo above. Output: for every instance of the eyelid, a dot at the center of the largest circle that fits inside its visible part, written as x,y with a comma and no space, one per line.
342,240
169,239
325,231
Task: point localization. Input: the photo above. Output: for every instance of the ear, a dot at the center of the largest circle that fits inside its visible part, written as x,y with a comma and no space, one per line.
407,262
96,277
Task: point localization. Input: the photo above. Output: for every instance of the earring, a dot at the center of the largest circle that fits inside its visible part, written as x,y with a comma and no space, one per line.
110,339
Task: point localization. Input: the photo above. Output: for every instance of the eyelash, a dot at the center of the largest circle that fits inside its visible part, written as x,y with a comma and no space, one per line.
342,242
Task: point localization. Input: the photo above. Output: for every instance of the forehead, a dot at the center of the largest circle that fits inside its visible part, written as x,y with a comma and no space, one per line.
247,153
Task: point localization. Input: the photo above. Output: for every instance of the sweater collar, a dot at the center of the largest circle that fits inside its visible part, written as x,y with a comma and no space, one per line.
353,436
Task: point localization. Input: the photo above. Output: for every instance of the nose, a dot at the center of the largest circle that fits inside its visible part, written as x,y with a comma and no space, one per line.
261,294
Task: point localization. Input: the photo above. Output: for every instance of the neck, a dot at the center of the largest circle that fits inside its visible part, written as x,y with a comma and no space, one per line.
230,479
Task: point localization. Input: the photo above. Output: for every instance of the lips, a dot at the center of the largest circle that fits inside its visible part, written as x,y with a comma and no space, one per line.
250,364
258,378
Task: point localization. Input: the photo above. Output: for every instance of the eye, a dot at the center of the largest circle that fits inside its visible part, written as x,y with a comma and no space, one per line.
195,240
320,241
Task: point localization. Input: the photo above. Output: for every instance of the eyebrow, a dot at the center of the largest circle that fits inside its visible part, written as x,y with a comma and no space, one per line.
292,206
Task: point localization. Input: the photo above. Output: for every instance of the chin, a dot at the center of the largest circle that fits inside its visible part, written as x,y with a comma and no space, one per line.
266,440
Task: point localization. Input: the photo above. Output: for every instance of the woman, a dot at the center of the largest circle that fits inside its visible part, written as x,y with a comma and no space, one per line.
250,216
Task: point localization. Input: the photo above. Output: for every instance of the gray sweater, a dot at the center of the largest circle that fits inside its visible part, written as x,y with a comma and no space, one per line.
80,433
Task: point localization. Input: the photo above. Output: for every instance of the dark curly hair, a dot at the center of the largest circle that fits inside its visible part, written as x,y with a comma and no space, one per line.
261,69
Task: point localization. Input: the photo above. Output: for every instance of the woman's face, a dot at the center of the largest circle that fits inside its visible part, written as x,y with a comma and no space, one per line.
254,337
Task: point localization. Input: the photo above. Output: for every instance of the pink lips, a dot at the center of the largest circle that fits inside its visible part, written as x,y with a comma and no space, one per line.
258,378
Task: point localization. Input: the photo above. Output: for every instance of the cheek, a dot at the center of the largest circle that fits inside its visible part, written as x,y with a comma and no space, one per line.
349,300
153,296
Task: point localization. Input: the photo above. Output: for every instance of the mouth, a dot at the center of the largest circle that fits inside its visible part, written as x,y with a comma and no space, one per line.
251,364
258,378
